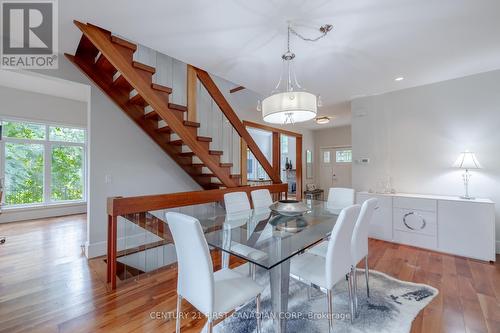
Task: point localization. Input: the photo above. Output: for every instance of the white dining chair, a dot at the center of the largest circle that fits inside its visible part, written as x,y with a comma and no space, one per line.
338,199
324,272
359,244
261,199
341,197
236,202
211,293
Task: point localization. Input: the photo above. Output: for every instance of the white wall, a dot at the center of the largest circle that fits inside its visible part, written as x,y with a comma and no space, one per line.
27,105
413,136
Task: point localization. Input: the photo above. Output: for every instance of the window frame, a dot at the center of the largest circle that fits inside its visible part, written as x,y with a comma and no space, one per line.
343,150
47,145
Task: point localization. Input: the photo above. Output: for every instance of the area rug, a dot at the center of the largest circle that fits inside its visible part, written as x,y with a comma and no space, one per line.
391,307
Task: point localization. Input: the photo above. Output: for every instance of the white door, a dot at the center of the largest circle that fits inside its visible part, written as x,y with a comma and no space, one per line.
335,168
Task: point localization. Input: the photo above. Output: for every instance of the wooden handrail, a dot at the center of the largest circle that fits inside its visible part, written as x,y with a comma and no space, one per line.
121,206
129,205
228,111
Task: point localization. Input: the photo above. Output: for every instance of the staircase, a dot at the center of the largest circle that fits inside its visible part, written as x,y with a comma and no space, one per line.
108,61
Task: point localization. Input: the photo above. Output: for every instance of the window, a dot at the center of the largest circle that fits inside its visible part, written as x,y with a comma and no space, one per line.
284,144
343,156
43,163
326,156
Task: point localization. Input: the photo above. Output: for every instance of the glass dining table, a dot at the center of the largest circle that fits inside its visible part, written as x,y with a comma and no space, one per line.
269,240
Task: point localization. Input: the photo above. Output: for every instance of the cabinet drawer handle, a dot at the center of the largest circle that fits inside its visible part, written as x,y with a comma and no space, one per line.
413,213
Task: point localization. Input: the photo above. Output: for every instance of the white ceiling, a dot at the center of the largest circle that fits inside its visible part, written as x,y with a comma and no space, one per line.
372,42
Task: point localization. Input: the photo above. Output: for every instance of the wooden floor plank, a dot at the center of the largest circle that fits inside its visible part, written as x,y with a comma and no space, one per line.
47,285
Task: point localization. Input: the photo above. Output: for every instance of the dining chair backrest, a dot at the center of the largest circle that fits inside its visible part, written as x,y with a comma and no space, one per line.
261,199
195,280
236,202
341,197
359,247
338,253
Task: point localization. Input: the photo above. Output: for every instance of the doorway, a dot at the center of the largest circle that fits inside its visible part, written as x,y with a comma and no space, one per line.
335,167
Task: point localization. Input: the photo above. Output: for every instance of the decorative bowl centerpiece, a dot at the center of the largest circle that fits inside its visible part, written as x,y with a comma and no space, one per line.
289,207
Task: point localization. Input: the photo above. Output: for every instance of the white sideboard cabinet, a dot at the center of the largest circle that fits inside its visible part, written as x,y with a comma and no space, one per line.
440,223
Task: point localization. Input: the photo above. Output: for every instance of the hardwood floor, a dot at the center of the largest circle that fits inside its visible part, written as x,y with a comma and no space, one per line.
47,285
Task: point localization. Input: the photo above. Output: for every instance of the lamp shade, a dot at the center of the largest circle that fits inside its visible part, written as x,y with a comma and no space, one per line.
467,160
295,106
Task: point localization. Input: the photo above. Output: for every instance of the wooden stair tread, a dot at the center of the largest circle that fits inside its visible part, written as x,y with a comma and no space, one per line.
191,123
215,152
186,154
226,165
137,99
177,142
123,42
122,82
164,129
159,87
199,138
143,67
177,107
152,115
103,63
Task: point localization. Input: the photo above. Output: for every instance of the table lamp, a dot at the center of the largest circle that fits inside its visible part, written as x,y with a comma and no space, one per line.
467,160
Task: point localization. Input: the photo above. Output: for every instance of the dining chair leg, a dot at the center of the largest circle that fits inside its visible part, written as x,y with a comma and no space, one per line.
329,299
178,318
366,276
257,312
355,289
351,300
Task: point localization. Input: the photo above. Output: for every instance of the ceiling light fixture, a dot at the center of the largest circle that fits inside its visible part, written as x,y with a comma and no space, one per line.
399,79
289,102
322,120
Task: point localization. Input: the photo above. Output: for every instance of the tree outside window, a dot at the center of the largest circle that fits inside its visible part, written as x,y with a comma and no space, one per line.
43,163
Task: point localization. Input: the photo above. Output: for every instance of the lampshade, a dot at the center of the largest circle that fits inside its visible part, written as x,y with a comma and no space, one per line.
289,106
467,160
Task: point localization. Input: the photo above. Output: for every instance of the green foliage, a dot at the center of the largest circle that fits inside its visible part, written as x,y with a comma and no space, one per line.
66,134
23,173
23,130
67,173
24,164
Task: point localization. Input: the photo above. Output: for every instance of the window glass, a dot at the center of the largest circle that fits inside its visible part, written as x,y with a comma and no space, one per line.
23,130
326,157
24,168
66,134
284,144
343,156
67,173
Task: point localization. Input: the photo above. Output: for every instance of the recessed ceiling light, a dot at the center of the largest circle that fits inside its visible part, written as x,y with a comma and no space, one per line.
399,78
322,120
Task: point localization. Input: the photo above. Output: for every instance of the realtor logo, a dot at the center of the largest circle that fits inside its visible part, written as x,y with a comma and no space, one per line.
29,34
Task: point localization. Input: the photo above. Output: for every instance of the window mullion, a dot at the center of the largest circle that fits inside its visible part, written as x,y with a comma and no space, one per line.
47,167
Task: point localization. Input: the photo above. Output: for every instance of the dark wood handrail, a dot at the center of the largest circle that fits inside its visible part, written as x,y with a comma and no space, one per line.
228,111
121,206
130,205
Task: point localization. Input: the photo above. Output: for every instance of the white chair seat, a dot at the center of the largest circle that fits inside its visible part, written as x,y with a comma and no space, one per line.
232,289
319,250
247,251
309,268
